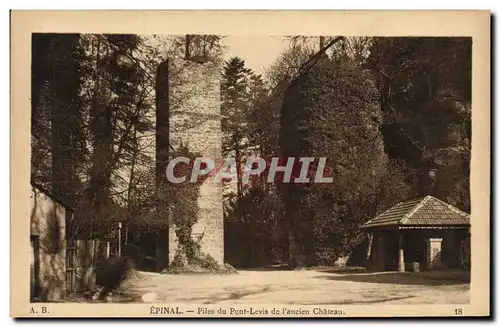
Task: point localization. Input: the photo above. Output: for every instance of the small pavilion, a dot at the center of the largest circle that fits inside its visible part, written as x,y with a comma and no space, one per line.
426,233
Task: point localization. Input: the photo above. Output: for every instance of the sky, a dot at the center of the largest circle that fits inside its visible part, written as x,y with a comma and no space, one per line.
259,52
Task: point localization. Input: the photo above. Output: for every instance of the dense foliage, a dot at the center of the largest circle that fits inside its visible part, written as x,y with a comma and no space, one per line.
425,95
331,111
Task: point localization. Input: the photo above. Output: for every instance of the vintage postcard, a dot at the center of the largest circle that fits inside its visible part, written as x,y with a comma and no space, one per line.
234,164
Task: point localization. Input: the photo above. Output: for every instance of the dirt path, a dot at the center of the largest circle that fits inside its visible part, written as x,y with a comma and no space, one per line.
299,287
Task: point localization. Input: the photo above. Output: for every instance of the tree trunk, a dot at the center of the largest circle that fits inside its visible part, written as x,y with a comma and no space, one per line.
62,97
239,184
131,184
321,42
187,54
102,136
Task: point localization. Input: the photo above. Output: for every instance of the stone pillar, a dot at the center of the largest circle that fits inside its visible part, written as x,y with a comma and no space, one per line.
368,258
434,253
401,256
195,121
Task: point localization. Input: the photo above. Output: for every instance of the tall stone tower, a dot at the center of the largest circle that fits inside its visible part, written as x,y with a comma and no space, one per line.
188,93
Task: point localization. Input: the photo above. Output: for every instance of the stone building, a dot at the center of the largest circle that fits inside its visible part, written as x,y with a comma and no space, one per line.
426,232
189,112
48,247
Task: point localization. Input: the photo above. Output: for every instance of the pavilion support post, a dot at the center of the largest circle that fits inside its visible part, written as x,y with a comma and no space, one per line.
401,255
369,255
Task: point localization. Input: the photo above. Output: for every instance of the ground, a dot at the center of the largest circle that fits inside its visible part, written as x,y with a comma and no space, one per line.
302,287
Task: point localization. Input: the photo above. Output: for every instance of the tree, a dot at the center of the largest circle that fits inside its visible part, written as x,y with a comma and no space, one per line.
202,47
235,108
425,95
263,119
288,63
56,120
255,234
353,48
90,107
331,111
58,134
118,104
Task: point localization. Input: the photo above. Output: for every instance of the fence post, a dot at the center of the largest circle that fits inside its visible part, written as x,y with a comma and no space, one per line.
95,255
119,239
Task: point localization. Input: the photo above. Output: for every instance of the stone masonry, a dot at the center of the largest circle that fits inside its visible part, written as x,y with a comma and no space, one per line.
195,120
48,265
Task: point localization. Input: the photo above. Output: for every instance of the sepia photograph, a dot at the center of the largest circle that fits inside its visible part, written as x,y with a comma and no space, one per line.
279,175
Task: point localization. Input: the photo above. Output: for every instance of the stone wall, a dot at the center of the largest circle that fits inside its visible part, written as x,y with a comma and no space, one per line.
195,120
48,268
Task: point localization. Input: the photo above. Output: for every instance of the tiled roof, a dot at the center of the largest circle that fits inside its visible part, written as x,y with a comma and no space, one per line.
49,194
427,211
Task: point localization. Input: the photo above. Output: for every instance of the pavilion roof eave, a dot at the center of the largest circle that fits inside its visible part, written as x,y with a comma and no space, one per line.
450,226
402,226
423,213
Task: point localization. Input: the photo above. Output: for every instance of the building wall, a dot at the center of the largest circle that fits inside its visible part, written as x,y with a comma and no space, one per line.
48,235
195,120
